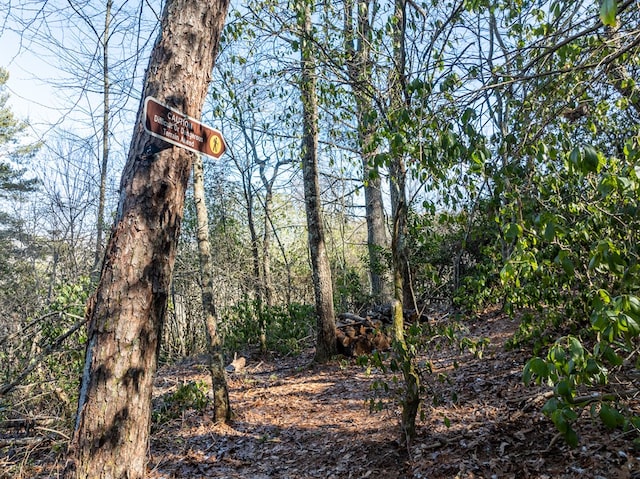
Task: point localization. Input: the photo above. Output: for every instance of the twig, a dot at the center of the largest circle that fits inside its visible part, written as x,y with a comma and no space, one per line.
48,350
54,431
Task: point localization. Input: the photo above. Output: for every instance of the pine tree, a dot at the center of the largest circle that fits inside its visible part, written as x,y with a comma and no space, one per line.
12,149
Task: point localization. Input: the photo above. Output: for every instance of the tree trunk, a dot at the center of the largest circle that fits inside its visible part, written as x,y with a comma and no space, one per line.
221,407
358,50
266,236
323,288
255,255
397,168
403,295
105,144
126,313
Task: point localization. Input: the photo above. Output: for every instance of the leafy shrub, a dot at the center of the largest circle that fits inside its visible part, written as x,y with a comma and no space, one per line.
48,351
288,328
191,395
419,339
596,268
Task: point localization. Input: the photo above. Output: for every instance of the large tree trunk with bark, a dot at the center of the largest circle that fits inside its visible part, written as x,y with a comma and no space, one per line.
126,313
326,339
221,407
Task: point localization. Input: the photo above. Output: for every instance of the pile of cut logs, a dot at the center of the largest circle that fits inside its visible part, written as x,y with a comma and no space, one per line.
359,335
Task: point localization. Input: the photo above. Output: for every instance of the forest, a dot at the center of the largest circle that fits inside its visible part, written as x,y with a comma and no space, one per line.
415,255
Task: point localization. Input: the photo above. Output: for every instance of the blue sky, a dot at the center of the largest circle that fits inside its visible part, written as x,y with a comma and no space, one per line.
31,97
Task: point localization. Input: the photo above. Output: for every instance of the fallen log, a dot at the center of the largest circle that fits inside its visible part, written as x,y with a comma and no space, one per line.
356,335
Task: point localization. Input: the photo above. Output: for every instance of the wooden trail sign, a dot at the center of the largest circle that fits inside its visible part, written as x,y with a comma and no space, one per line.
181,130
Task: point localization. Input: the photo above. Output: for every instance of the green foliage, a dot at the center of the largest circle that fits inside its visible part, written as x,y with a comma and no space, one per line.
12,144
420,339
349,290
608,12
188,396
587,251
47,352
567,367
67,363
289,328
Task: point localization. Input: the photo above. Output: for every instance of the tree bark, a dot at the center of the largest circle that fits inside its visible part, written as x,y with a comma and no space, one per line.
221,407
358,50
403,295
106,111
397,167
321,271
126,313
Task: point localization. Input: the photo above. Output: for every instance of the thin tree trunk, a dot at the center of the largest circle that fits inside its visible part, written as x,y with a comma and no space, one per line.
377,242
358,49
105,144
403,295
248,192
255,255
321,271
221,407
126,313
266,237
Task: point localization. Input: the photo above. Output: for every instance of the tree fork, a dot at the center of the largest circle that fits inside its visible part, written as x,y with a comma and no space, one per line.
127,311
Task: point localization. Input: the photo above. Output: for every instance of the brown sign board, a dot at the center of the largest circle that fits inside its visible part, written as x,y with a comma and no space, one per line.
181,130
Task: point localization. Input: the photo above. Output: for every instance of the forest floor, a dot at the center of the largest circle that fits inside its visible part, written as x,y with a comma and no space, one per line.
295,420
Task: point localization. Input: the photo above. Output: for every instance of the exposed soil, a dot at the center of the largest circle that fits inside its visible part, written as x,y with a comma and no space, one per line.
295,420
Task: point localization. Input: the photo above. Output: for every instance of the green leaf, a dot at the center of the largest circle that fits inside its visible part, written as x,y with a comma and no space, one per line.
571,437
634,305
574,157
608,12
563,389
550,407
567,266
535,366
550,231
610,417
514,230
577,351
611,356
557,417
591,161
468,114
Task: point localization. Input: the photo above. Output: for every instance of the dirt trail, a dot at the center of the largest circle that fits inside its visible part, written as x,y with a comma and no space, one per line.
295,422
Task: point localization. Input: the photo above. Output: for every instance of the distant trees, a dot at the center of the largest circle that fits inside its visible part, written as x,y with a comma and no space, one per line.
14,146
95,49
14,240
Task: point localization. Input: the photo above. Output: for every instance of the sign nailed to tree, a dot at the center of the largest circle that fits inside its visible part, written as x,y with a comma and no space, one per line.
181,130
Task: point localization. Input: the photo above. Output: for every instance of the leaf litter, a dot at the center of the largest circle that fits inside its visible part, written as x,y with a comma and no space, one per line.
298,420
